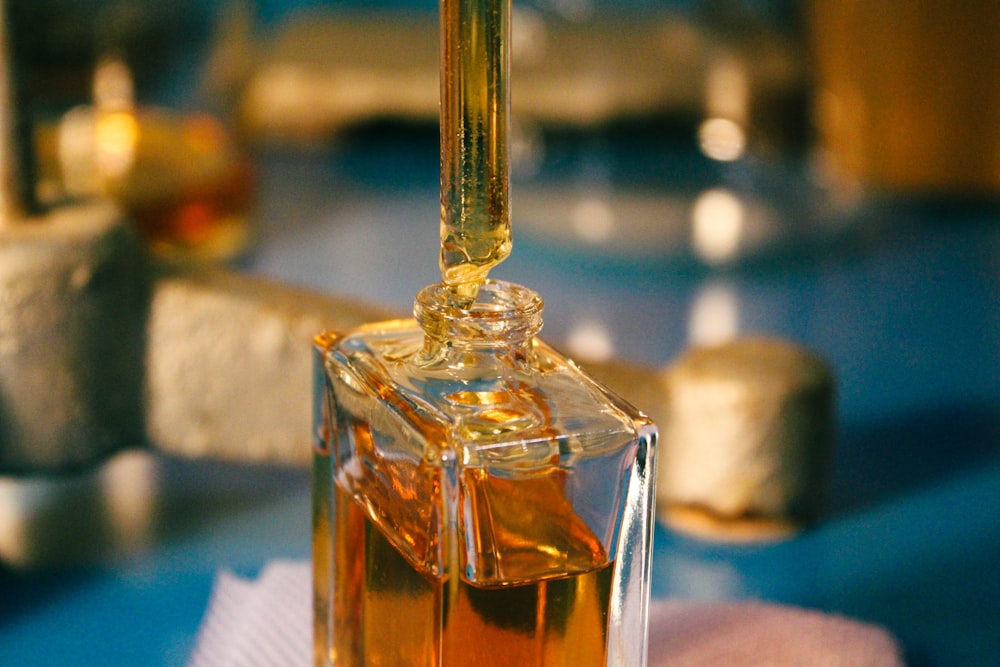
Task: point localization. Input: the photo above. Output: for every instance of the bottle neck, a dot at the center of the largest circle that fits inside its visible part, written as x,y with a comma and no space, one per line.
505,317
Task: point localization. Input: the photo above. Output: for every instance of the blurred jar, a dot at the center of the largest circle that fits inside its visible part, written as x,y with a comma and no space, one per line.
908,94
180,177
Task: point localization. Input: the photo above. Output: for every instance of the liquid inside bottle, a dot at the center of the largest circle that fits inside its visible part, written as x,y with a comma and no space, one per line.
478,500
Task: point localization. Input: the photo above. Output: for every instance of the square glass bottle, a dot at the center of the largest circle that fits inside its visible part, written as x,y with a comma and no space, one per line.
478,500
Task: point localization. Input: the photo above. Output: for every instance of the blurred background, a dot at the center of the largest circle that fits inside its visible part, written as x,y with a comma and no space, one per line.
725,132
684,173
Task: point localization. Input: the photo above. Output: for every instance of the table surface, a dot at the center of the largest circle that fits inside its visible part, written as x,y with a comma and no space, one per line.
115,566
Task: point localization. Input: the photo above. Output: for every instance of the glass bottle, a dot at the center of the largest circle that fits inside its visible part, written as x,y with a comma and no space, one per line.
478,499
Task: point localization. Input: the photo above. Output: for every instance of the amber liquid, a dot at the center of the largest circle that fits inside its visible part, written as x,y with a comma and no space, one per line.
475,106
181,179
388,613
495,549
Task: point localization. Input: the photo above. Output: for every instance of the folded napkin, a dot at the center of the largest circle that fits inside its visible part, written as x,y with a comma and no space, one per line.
267,622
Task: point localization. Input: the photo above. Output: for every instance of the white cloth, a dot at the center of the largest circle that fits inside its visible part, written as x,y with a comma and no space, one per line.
267,622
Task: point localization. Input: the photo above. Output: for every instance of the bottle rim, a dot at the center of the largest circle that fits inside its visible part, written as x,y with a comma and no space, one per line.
502,312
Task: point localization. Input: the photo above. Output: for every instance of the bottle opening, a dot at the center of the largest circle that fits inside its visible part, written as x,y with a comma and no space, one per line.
502,313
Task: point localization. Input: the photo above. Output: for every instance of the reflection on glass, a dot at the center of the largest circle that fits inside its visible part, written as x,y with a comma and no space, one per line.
58,521
591,340
116,134
14,541
116,129
717,221
727,110
593,220
181,178
722,139
128,487
715,315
